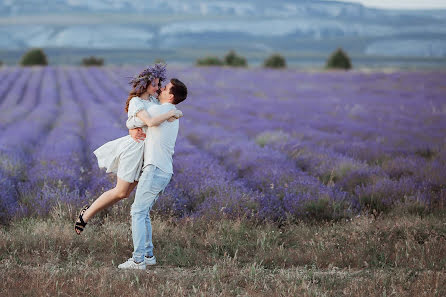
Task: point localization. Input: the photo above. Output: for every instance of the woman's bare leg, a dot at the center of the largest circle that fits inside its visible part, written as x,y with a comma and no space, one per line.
132,186
121,191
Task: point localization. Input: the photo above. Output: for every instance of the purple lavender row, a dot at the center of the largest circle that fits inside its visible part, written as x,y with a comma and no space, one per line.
58,175
30,128
8,196
14,86
406,182
114,95
395,182
118,78
27,101
101,126
18,140
203,187
103,96
14,95
386,124
124,74
421,177
262,130
8,78
287,189
348,174
111,85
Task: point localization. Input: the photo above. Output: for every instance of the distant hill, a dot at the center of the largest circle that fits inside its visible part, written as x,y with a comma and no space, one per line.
249,25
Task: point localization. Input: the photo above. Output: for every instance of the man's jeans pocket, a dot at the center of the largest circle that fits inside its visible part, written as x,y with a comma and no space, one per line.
152,182
159,183
161,180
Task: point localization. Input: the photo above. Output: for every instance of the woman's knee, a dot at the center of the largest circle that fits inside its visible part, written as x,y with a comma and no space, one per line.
121,194
127,194
122,189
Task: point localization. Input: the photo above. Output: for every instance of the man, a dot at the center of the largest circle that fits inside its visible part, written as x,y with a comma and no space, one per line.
157,172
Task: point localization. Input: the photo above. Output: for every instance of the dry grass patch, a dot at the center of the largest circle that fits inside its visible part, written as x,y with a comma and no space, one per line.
225,278
394,254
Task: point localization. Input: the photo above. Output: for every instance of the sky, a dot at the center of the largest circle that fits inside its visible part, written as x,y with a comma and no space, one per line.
401,4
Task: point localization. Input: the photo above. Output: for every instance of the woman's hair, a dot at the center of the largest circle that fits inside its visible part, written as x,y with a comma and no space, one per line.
137,92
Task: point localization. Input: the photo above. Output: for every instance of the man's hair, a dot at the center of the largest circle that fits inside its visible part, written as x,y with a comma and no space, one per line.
178,90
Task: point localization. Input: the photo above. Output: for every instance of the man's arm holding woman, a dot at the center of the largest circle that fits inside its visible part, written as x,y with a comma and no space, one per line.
134,127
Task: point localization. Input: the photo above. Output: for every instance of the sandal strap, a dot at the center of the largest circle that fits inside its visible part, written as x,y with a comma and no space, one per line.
79,227
82,223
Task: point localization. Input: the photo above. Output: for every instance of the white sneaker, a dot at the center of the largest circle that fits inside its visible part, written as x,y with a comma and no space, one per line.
130,264
150,261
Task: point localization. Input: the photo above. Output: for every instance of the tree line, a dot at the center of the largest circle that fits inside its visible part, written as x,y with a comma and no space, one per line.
339,59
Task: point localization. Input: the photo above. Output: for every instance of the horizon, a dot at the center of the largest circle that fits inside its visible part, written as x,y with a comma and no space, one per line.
399,4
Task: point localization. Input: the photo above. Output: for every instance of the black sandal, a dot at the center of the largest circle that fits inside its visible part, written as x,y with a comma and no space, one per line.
80,225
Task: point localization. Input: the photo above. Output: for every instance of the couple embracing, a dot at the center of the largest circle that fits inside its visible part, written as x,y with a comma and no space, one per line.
147,164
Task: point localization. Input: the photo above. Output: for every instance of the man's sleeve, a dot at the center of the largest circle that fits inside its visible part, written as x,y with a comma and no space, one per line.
160,109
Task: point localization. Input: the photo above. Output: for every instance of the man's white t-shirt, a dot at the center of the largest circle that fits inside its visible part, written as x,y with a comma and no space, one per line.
160,141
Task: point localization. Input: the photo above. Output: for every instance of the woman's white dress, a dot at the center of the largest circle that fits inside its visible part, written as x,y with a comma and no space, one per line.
124,156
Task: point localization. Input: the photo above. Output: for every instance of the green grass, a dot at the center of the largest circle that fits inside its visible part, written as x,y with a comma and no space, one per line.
396,254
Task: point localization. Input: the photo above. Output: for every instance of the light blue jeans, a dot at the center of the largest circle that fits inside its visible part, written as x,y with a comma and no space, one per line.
152,182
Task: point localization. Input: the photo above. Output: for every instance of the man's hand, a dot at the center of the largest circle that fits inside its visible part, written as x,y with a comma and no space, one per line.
176,114
137,134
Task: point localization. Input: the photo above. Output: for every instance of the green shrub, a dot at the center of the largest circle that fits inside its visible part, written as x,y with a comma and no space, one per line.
210,61
426,152
374,203
34,56
275,61
339,60
92,61
234,60
324,209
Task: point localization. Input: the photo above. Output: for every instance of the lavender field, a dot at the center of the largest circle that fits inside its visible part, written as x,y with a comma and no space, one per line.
285,183
258,144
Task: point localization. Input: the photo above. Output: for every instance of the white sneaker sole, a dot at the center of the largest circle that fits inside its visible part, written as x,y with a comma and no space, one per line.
132,266
149,262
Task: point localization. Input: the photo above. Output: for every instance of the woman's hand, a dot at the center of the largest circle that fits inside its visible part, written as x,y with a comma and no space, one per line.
178,113
175,114
137,134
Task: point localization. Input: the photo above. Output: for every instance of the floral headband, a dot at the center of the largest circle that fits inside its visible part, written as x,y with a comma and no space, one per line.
141,81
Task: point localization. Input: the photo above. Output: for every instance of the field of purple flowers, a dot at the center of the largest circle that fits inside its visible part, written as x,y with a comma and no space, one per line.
259,144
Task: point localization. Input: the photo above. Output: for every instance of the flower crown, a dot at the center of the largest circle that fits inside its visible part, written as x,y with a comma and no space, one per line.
141,81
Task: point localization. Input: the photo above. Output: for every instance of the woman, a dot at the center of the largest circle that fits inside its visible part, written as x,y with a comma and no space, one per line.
124,156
